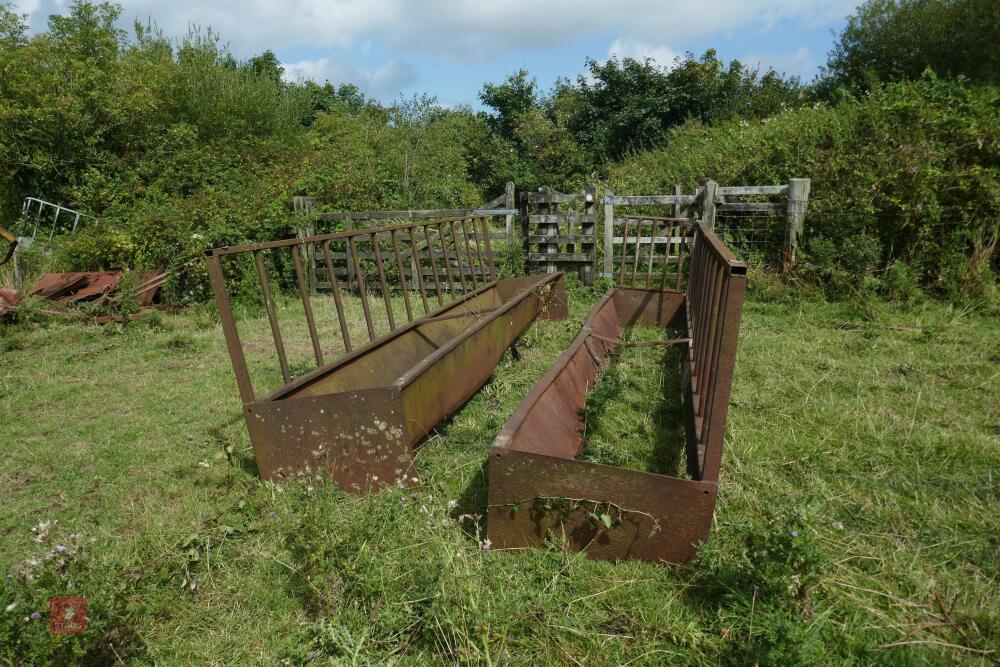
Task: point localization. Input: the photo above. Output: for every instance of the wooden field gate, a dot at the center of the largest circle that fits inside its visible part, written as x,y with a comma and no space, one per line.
645,236
558,232
656,240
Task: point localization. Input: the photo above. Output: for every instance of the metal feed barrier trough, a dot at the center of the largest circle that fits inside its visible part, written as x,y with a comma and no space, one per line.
358,417
536,485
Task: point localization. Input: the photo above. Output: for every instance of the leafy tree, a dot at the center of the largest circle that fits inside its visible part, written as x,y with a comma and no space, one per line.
627,105
510,100
888,40
266,65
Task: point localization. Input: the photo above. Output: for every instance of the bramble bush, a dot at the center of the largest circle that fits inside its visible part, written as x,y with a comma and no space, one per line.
909,172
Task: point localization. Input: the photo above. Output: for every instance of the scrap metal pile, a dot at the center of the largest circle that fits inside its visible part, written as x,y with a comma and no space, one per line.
41,221
358,417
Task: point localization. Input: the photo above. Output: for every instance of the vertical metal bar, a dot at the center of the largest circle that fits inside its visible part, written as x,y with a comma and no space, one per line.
458,257
434,266
468,254
348,226
681,247
382,281
489,249
666,255
335,288
621,271
272,317
638,244
359,276
232,334
447,260
715,344
402,276
652,247
55,222
707,346
34,229
417,269
300,278
707,332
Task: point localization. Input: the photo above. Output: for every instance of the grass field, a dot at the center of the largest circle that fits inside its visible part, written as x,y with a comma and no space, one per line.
858,518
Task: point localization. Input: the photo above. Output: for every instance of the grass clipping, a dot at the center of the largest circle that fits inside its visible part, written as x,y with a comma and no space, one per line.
632,417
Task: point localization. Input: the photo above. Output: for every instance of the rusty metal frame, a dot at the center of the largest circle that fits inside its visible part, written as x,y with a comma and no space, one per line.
536,485
358,418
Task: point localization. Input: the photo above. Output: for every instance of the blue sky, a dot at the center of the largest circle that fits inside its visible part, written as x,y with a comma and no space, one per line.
448,48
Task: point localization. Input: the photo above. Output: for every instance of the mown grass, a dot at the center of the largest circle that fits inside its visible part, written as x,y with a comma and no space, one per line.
857,519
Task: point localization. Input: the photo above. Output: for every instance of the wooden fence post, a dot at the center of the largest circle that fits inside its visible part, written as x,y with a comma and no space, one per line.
508,203
522,214
677,205
348,226
708,205
306,226
609,234
798,199
548,229
588,227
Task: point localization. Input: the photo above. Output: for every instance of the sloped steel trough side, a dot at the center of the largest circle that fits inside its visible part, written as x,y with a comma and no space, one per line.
536,485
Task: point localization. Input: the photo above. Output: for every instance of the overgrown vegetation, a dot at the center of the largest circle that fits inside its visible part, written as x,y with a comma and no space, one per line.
903,161
889,40
856,518
888,205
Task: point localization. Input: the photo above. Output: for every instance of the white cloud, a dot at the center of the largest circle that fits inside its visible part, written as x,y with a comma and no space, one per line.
460,29
664,56
795,63
387,80
334,32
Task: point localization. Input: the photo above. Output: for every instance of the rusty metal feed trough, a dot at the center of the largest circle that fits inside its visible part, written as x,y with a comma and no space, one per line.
536,485
358,417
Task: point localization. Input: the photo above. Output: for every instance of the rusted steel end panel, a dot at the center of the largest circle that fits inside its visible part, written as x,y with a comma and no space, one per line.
358,438
556,304
652,307
654,517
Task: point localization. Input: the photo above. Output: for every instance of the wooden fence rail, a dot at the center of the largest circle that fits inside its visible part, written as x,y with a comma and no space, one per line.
710,203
